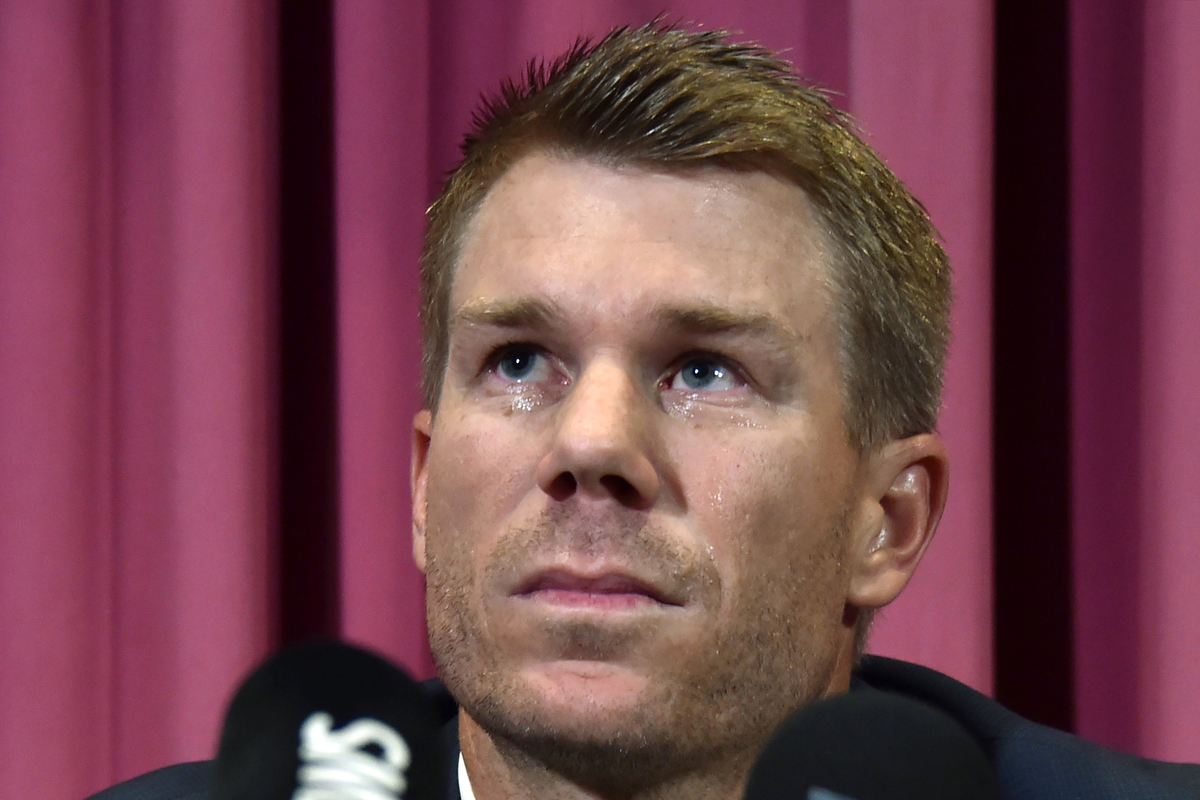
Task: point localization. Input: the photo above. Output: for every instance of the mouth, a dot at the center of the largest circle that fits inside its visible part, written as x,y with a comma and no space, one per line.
609,591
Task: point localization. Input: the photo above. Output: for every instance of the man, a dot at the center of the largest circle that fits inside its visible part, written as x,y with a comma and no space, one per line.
684,336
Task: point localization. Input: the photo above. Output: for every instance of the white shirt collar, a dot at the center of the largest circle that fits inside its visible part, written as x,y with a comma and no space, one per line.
464,781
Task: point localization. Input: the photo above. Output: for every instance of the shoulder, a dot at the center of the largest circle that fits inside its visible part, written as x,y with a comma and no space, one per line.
179,782
1035,762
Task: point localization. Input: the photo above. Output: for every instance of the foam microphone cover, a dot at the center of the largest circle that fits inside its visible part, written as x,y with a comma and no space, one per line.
872,745
329,721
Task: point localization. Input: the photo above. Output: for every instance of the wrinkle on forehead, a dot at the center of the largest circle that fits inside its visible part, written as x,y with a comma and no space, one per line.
715,225
719,194
701,318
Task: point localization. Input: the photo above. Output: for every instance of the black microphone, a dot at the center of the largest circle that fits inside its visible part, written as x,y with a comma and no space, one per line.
329,721
872,745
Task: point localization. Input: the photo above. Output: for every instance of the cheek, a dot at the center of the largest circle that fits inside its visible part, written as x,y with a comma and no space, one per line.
768,503
478,473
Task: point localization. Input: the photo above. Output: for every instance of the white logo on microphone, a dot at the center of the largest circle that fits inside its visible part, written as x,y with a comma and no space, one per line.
334,765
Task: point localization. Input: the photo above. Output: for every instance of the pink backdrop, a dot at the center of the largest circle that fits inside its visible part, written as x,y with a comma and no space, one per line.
1136,379
138,340
136,266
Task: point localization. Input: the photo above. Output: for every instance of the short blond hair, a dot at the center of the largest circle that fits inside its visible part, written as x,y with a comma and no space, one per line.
664,98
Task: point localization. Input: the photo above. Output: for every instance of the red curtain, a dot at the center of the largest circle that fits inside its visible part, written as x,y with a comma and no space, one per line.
136,371
1135,386
143,567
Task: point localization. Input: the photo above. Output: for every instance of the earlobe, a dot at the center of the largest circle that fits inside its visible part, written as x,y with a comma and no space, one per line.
908,480
418,481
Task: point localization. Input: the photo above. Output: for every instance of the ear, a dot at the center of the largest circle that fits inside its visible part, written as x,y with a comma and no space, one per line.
906,484
419,481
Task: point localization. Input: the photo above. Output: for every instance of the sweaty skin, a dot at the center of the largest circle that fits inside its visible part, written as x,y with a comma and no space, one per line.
643,525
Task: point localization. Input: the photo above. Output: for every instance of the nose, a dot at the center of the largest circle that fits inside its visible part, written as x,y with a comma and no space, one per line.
603,443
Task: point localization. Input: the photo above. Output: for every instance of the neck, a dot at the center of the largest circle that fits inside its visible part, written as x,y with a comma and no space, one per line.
501,771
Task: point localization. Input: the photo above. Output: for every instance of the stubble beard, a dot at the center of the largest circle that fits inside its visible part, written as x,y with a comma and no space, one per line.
706,714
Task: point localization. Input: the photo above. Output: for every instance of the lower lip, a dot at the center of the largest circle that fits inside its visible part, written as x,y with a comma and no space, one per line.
599,601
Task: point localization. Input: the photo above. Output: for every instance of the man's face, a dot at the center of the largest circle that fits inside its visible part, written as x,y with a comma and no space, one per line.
630,504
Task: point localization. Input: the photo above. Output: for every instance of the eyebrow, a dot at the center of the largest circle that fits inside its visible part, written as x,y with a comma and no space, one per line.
697,318
524,313
712,319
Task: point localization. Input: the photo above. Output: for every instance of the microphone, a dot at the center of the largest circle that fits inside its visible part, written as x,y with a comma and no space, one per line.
872,745
329,721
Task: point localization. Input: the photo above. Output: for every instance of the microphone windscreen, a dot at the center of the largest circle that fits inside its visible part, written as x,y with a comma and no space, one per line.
872,745
329,721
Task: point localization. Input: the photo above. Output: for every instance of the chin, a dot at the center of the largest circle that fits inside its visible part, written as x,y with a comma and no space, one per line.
600,724
590,688
580,701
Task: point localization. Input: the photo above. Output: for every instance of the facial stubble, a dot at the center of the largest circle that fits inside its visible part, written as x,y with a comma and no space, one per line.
772,655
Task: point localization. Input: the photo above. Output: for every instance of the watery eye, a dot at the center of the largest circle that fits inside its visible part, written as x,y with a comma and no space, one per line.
520,365
704,375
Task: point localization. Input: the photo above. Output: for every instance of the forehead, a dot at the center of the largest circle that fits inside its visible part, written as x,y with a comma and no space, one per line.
617,240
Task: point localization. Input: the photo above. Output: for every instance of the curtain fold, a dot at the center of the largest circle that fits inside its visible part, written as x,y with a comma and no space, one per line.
382,130
136,177
921,87
193,230
56,516
1135,381
1170,354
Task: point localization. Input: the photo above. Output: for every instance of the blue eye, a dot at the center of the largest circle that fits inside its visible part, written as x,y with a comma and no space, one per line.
704,374
521,365
516,366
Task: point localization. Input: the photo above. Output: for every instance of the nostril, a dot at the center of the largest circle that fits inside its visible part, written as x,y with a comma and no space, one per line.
622,490
562,487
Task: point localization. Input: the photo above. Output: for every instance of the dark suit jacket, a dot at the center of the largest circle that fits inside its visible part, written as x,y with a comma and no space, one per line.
1034,762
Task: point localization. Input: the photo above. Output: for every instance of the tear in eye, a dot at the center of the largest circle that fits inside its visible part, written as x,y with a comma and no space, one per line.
704,375
517,366
522,365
